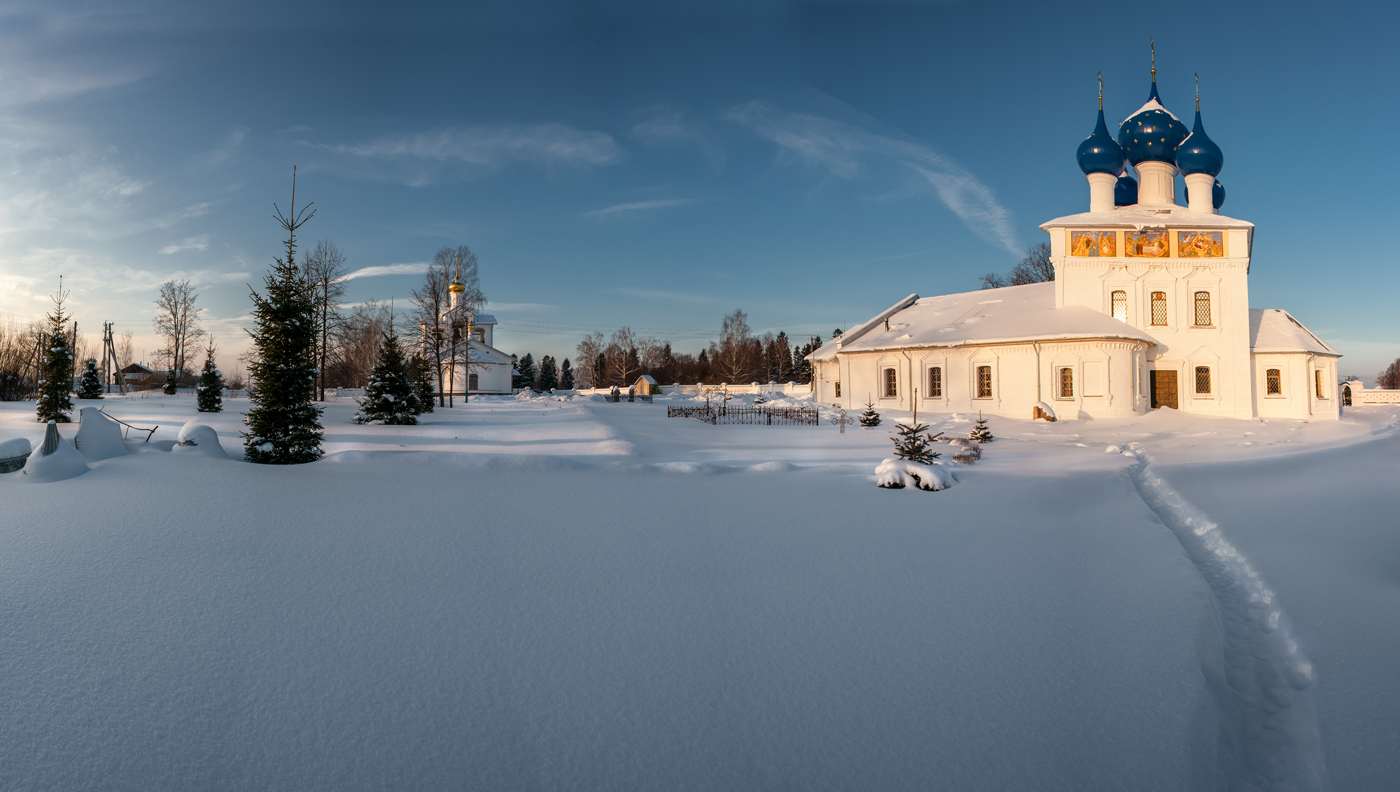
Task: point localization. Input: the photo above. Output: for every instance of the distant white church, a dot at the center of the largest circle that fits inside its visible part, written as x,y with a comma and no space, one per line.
1149,308
473,365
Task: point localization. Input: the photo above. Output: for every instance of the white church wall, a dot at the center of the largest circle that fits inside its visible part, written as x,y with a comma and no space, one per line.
1298,379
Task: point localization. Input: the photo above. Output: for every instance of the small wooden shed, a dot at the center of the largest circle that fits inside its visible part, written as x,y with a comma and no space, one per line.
646,386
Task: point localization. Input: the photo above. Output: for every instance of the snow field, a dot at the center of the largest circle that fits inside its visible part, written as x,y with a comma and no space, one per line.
544,594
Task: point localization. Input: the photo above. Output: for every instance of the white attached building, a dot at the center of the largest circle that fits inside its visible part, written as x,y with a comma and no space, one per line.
1149,308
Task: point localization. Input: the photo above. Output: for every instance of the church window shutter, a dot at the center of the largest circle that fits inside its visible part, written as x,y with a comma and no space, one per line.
1066,383
1159,309
1120,306
1203,379
984,382
891,383
472,382
1202,309
1273,379
935,382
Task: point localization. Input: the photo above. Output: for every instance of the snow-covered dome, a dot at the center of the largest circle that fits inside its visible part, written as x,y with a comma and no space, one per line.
1198,153
1100,153
1152,134
1217,195
1125,191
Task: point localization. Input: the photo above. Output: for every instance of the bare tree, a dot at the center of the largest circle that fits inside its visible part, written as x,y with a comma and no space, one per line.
357,343
733,355
1036,267
623,360
177,321
588,351
324,271
1390,377
125,346
17,351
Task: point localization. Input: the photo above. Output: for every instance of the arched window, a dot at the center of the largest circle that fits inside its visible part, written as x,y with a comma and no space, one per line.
1203,379
1120,306
1273,382
1317,377
1203,309
472,382
984,382
891,383
1066,383
1159,309
935,382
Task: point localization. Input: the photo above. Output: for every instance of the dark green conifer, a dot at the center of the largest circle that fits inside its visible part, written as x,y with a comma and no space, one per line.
283,422
869,418
209,393
55,401
90,386
390,397
422,375
566,375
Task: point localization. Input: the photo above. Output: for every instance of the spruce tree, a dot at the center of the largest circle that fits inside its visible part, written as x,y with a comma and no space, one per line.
390,397
283,422
525,372
566,375
869,419
980,432
55,402
90,387
209,393
549,377
914,444
423,376
600,370
171,384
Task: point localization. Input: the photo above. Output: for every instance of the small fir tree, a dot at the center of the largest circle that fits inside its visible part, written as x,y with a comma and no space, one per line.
980,432
423,376
390,397
55,402
914,443
209,393
283,423
171,384
549,374
566,375
90,386
869,419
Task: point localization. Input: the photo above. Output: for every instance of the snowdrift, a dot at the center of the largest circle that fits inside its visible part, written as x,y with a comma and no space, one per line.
901,473
99,437
200,439
63,462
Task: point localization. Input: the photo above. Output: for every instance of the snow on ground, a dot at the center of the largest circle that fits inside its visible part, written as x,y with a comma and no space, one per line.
564,593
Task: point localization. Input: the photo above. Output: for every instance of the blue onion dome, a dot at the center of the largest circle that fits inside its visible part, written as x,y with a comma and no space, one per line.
1198,153
1100,153
1217,195
1125,191
1152,134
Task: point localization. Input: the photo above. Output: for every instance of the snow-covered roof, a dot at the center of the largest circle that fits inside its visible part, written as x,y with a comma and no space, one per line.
1141,216
1275,330
990,316
646,378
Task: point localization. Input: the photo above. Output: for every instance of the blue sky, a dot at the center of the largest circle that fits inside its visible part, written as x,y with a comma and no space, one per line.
654,165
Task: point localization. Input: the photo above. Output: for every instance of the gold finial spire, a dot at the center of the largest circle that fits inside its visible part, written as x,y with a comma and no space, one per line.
1100,90
1198,92
1152,43
456,285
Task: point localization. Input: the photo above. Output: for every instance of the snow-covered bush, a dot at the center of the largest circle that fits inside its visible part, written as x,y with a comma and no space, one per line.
980,432
901,473
869,419
55,460
912,442
390,397
199,438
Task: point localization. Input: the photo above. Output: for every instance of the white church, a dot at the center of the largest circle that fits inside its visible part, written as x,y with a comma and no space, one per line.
472,365
1149,308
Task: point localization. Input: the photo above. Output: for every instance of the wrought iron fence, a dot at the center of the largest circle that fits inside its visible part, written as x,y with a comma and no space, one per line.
766,416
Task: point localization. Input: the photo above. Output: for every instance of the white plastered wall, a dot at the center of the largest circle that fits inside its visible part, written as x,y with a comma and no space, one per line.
1298,376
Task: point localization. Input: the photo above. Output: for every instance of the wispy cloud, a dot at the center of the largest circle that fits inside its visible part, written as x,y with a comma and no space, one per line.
666,296
847,152
519,307
638,206
407,268
668,126
479,150
200,242
222,153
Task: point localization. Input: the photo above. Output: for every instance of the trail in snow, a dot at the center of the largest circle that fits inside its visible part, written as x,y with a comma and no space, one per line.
1259,677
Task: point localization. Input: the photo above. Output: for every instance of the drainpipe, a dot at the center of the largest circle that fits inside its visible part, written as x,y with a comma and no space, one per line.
1036,344
909,386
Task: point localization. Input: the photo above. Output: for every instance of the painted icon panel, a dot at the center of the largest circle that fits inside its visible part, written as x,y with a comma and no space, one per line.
1093,243
1145,244
1200,244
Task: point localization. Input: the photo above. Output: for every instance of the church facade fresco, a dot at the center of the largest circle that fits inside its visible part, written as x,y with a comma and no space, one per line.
1145,244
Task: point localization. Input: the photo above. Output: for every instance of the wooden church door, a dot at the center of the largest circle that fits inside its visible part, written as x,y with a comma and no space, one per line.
1164,389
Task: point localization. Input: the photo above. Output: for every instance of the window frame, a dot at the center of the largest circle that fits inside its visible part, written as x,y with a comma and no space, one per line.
1066,382
838,388
978,382
1317,378
1153,302
889,382
1196,381
1202,297
1273,389
1118,299
935,383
